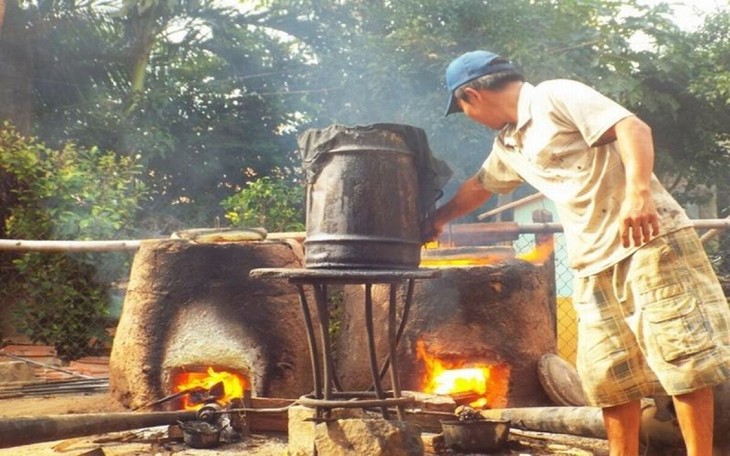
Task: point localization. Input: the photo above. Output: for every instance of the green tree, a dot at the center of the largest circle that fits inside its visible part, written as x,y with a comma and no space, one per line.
389,62
198,92
271,203
68,193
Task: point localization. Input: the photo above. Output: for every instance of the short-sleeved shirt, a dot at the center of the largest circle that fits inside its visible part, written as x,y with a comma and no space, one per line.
550,147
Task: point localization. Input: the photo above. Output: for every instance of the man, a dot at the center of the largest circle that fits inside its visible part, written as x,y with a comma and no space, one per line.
653,319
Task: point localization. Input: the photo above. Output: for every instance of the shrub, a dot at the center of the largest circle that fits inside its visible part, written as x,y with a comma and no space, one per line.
66,194
270,203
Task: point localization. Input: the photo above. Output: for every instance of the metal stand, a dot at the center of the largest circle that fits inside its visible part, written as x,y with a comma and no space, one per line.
328,394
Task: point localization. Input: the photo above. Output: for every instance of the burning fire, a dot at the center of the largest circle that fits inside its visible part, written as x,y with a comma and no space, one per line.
486,385
455,262
537,256
234,385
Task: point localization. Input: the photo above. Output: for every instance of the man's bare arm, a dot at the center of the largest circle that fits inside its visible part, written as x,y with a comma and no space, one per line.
470,196
639,220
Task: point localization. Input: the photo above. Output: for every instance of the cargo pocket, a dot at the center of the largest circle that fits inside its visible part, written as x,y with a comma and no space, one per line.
677,325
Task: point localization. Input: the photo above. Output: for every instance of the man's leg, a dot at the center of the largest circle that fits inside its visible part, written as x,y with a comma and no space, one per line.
695,413
622,428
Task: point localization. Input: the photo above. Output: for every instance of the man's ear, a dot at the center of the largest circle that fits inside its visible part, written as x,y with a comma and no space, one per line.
471,94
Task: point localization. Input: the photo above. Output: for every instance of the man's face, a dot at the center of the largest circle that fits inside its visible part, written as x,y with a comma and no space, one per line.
479,107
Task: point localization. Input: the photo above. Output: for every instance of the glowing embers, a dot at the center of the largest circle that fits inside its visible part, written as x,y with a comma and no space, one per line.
434,256
481,385
198,385
538,255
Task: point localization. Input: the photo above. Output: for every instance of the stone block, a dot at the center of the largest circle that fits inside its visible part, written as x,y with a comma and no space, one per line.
301,428
373,437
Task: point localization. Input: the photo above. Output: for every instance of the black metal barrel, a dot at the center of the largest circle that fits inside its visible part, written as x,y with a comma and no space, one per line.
362,198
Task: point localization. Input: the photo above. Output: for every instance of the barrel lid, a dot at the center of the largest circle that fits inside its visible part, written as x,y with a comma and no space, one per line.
560,380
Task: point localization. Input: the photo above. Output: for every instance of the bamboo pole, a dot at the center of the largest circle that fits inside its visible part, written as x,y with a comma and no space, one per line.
134,244
52,246
69,246
712,234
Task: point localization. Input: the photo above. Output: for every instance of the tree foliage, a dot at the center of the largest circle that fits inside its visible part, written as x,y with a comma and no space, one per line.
211,95
67,193
271,203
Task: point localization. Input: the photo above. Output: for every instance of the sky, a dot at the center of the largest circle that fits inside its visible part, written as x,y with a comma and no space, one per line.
689,14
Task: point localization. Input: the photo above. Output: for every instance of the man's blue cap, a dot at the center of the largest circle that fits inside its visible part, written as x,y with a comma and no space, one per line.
470,66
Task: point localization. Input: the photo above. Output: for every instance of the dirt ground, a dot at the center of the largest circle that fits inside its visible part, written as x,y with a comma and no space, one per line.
154,441
149,441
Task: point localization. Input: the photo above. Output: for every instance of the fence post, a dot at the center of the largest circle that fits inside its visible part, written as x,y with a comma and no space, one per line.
545,216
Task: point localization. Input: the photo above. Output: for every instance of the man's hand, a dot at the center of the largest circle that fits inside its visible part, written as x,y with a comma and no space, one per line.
639,220
468,197
431,230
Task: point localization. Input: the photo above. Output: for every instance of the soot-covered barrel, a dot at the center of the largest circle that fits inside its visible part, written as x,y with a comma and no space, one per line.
365,195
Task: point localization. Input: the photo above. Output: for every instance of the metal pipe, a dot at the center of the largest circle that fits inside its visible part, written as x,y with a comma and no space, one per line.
16,431
311,341
373,356
586,422
392,343
45,365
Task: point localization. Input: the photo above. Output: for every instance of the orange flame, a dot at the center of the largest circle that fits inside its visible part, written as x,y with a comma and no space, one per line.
454,262
539,255
234,384
489,383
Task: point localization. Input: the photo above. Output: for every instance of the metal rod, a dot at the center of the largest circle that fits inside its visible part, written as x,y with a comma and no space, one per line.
47,366
371,346
320,292
395,380
402,325
513,204
311,341
360,403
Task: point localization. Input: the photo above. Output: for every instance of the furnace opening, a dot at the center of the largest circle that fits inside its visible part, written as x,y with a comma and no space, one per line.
203,383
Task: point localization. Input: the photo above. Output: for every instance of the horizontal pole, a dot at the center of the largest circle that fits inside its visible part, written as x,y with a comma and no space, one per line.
134,244
704,224
512,205
68,246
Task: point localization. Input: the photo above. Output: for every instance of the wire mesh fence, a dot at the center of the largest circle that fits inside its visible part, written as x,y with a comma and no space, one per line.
717,247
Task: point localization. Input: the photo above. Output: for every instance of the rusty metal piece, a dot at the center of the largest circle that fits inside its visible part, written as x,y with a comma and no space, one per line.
194,390
205,396
200,434
479,234
237,413
209,412
478,436
353,400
